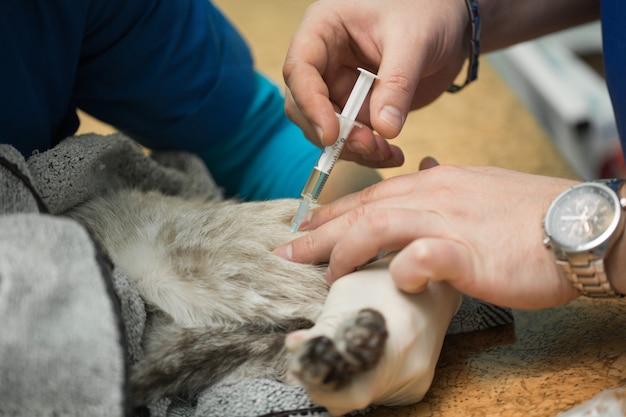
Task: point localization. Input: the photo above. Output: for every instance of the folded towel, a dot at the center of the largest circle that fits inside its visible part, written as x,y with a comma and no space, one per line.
16,192
88,165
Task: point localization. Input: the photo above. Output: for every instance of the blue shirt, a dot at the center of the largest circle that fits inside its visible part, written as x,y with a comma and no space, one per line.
173,74
614,51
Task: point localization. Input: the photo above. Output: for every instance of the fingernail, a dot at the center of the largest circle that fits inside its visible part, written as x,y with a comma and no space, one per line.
392,117
285,252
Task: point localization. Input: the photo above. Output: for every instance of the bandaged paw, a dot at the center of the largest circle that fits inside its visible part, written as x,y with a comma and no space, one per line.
372,344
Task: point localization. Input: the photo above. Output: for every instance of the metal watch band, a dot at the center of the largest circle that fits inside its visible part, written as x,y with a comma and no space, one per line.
589,278
587,274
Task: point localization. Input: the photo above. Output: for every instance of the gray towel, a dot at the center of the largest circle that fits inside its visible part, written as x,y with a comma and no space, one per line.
87,165
15,196
62,349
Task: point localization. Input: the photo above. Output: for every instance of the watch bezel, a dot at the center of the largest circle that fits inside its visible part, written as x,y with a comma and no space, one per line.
600,242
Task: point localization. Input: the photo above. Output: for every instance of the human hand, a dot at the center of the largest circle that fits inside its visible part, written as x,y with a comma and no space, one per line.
416,324
417,47
477,228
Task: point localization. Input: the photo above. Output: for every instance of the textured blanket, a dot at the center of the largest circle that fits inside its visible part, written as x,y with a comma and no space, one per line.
71,323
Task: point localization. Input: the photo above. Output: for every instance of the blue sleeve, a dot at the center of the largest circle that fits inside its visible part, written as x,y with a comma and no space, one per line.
173,74
614,52
268,156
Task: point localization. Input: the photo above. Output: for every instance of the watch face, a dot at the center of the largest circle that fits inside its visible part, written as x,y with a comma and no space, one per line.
582,217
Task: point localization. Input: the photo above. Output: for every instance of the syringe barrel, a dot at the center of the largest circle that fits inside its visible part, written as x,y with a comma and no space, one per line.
358,94
315,184
347,119
331,153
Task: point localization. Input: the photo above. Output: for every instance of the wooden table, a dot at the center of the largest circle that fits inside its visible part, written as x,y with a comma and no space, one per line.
547,362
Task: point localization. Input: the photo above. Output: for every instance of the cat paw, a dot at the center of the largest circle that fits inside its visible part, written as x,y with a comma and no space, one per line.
332,363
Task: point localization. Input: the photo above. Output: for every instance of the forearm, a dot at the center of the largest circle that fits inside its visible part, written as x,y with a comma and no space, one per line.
505,23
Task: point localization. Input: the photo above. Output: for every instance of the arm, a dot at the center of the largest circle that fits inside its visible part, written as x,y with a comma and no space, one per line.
508,22
172,74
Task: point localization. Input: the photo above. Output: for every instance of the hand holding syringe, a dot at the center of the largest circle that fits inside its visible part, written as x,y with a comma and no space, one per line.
314,185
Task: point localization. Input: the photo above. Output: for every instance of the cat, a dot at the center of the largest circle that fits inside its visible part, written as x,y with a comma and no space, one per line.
219,302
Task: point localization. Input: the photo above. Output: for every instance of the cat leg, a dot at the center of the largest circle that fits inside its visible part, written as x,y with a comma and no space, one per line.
332,363
184,361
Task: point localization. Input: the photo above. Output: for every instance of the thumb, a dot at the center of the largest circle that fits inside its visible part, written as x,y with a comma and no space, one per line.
430,259
392,95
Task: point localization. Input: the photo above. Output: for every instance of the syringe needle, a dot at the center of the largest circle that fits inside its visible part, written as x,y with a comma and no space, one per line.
314,185
303,208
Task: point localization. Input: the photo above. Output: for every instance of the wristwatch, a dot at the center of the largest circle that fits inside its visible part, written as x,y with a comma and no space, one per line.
581,225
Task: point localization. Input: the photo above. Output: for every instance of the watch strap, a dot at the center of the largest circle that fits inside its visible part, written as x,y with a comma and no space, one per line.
589,278
473,9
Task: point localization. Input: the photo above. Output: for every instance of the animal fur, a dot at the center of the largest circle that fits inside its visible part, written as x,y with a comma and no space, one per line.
220,303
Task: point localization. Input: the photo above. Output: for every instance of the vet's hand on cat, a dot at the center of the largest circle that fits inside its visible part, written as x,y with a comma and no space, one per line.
416,325
478,228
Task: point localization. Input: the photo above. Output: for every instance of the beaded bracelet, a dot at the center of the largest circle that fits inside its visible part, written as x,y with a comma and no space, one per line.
472,68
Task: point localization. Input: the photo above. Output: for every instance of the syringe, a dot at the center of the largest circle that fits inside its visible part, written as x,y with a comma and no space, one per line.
314,185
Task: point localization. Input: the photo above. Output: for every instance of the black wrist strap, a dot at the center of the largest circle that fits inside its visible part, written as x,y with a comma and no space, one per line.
474,51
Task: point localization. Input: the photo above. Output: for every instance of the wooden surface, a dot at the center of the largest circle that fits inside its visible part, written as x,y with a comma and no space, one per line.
546,363
549,360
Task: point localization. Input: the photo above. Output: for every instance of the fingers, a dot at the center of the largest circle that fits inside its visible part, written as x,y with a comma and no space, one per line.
399,73
304,65
390,103
431,259
363,146
311,62
314,112
330,222
295,115
382,229
316,246
390,188
339,220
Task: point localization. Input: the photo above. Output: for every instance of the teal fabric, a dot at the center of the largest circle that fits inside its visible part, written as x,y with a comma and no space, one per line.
268,157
